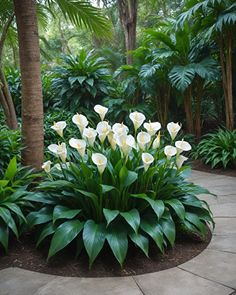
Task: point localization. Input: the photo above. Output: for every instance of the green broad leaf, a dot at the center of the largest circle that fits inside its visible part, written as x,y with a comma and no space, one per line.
87,172
177,206
48,230
39,198
16,209
94,236
4,236
4,183
141,241
61,212
106,188
194,219
127,177
118,242
39,217
132,218
110,215
157,205
81,79
88,194
11,170
65,234
168,228
5,214
90,81
56,184
151,226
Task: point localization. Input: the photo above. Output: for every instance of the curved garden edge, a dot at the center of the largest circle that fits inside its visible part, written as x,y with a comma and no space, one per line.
211,272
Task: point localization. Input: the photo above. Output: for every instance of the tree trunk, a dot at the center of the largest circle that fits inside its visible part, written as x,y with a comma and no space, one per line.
32,100
128,17
188,109
198,109
5,95
226,68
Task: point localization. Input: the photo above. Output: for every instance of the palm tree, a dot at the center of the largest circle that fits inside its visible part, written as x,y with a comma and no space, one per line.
216,20
78,12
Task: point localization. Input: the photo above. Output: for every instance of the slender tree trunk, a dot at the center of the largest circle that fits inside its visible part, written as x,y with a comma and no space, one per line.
198,110
188,109
226,68
5,95
128,17
32,100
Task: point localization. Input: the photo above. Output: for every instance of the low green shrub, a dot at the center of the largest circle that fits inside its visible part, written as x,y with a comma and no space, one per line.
218,149
13,189
120,189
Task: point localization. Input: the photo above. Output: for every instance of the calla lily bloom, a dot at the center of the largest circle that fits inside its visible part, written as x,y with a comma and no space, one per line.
80,121
59,127
125,143
100,161
157,141
78,144
47,166
152,127
182,146
180,160
170,151
143,139
103,129
137,119
173,129
111,139
120,129
101,110
90,135
58,166
147,160
59,150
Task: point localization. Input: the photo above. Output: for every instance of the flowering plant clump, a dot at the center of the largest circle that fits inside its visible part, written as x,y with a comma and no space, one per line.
112,184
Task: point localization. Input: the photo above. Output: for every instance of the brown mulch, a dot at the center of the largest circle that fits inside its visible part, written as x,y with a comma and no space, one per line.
24,255
198,165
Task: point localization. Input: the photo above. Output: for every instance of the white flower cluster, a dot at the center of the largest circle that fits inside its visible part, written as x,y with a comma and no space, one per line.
118,135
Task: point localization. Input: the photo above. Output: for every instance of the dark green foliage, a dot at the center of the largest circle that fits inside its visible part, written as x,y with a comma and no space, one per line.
218,149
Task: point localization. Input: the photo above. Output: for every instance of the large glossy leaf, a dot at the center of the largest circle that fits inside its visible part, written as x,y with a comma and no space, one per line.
141,241
127,177
16,209
132,217
38,217
110,215
11,170
5,214
177,206
4,236
168,228
94,237
152,228
65,234
118,241
47,231
61,212
194,219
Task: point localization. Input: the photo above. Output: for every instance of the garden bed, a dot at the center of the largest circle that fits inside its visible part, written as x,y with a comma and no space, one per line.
198,165
24,255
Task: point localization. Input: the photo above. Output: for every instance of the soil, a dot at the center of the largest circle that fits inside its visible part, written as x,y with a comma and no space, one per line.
198,165
23,254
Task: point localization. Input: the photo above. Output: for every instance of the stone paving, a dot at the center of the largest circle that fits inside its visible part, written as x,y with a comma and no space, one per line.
213,272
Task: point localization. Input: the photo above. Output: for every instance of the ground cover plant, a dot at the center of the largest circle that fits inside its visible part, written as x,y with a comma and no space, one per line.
218,149
117,186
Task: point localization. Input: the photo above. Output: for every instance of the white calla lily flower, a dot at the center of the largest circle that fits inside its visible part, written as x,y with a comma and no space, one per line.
126,143
103,129
180,160
80,121
59,127
157,141
173,129
78,144
101,111
137,119
58,166
147,160
111,139
47,166
100,161
59,150
120,129
152,127
183,146
170,151
90,135
143,139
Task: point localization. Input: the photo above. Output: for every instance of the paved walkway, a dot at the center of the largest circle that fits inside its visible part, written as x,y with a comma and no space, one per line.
211,272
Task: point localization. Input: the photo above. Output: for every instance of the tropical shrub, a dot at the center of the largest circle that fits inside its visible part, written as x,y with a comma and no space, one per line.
218,149
10,146
119,188
81,81
13,187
